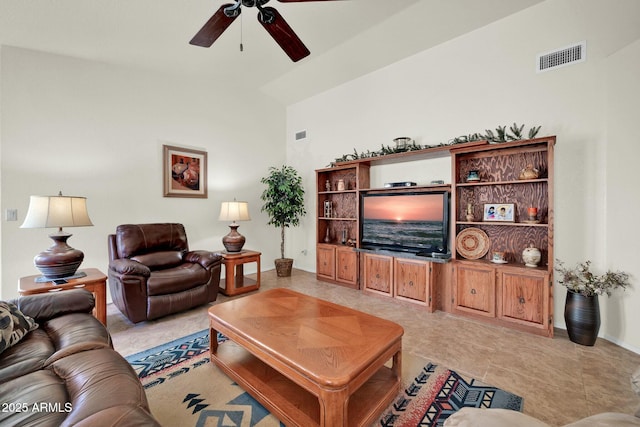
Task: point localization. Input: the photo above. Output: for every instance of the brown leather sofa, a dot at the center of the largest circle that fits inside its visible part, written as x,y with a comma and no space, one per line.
152,273
66,372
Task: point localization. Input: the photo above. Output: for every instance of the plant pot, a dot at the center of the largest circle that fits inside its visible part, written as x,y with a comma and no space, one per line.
582,317
283,266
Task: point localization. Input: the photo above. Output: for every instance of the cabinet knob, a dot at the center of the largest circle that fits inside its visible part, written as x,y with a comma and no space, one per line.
521,300
473,291
377,276
410,282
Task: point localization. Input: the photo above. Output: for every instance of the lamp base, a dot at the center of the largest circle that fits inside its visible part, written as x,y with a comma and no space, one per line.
234,241
60,260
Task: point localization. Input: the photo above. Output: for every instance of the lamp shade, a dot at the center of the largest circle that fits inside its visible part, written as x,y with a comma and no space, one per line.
56,211
60,260
234,211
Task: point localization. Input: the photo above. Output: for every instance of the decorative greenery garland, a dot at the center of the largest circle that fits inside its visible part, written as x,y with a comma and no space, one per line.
499,136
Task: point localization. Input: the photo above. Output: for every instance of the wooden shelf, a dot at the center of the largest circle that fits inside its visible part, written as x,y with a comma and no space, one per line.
507,294
501,224
291,403
337,244
508,265
425,153
337,192
337,219
519,181
410,188
336,262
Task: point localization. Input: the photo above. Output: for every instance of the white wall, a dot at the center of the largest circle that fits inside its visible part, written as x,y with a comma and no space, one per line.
622,201
485,79
1,133
96,130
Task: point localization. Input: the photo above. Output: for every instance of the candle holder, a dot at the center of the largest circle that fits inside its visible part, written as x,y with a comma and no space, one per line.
532,215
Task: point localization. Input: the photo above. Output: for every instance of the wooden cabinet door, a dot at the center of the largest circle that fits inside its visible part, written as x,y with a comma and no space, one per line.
347,266
475,290
378,274
412,280
524,297
326,262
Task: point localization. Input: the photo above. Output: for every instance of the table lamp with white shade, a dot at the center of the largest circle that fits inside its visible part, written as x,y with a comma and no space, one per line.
234,211
60,260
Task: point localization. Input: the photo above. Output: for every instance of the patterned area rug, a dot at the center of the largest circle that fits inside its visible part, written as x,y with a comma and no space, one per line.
184,388
437,392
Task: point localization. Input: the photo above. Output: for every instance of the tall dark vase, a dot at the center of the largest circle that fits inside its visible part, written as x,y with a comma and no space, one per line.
582,317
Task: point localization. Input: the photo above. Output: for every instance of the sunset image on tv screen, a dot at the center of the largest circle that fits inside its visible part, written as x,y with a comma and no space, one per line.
405,208
406,222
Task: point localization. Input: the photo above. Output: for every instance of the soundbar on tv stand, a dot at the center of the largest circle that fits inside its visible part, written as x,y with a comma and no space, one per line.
399,184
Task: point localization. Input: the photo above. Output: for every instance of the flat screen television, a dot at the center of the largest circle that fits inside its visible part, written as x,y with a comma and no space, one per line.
416,222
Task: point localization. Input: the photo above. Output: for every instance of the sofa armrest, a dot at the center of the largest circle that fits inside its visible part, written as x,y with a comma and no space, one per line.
43,307
205,258
127,266
128,288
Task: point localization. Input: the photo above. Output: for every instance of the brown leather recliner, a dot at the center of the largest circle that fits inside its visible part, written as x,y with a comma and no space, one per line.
152,273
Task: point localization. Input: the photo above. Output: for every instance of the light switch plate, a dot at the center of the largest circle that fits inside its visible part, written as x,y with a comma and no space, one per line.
11,215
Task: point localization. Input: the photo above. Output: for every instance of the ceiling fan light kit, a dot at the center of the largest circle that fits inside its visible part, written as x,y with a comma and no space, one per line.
270,19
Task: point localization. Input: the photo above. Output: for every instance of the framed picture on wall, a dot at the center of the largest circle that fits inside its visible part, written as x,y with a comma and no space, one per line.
184,172
499,212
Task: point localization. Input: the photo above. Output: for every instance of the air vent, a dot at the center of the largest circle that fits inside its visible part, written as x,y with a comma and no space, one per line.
561,57
301,135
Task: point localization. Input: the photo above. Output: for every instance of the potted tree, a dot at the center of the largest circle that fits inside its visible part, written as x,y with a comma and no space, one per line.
582,309
284,203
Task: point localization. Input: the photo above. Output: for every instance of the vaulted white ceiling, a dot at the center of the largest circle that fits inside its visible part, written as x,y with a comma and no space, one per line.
347,38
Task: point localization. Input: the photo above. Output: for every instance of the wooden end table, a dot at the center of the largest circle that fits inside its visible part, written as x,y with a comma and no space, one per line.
310,362
235,281
94,281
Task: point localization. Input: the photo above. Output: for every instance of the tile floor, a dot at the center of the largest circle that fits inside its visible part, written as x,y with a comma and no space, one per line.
560,381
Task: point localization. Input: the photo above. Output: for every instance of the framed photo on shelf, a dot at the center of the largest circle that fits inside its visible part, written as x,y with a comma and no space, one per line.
184,172
499,212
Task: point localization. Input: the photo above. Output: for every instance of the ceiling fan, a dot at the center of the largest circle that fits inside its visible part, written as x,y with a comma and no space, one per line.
270,19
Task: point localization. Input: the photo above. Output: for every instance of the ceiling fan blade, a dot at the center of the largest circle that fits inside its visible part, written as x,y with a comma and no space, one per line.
282,33
214,27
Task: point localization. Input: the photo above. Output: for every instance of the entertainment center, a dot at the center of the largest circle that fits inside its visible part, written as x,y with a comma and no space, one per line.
464,256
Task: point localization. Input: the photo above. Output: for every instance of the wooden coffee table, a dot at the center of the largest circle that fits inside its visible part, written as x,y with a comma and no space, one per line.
309,361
